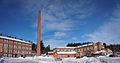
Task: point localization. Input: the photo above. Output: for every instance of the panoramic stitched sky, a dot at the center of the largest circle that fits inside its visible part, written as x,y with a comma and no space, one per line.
63,21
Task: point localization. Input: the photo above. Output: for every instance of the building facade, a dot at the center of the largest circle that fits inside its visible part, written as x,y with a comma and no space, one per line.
11,47
83,50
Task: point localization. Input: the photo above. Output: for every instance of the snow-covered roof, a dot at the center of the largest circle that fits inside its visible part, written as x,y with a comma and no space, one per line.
66,52
85,45
66,47
14,39
50,52
97,52
77,46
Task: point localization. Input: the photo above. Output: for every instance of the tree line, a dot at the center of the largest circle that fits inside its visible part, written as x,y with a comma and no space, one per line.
43,48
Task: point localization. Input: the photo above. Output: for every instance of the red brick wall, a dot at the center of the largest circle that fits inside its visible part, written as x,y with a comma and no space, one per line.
10,48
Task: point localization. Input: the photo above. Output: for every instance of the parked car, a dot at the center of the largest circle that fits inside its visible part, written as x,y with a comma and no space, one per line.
58,59
113,56
89,56
79,57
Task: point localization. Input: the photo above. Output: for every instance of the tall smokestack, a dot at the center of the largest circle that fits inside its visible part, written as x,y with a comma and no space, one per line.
39,35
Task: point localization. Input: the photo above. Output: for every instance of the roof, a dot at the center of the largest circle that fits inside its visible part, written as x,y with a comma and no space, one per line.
14,39
77,46
66,52
97,52
50,52
67,47
85,45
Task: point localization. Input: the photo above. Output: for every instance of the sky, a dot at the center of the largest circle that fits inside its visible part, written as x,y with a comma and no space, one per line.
62,21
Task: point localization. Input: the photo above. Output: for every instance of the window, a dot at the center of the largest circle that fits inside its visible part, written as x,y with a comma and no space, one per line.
1,40
26,44
15,51
84,49
6,41
81,49
8,55
15,42
65,50
68,49
5,45
22,52
23,47
30,48
91,48
26,52
29,52
27,48
10,41
1,44
19,43
15,46
87,48
22,43
5,50
10,46
54,50
10,51
95,47
19,47
0,49
30,45
18,51
58,50
5,55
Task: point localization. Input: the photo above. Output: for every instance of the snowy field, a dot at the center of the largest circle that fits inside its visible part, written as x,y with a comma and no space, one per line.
41,59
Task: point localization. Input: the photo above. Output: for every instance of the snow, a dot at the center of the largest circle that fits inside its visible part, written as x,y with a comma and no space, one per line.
66,52
77,46
86,45
40,59
67,47
97,52
13,39
50,52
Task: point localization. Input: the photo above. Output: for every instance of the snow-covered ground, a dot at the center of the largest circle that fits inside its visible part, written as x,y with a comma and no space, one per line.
41,59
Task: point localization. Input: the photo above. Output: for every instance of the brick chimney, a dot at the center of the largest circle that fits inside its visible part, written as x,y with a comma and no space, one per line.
39,35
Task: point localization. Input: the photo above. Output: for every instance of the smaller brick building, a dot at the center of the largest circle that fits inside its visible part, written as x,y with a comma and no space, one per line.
83,50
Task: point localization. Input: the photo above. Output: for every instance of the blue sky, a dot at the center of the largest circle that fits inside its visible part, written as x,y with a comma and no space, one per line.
63,21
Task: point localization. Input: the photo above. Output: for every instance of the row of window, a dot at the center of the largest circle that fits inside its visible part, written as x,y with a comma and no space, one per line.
11,46
10,55
15,51
85,49
78,50
69,50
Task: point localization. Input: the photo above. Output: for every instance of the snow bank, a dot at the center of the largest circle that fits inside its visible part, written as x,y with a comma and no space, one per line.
40,59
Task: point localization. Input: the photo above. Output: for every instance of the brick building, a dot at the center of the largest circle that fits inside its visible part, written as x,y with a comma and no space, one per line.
11,47
83,50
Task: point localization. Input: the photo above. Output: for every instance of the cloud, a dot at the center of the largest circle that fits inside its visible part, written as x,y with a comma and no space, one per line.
74,38
60,34
59,17
109,32
58,26
55,43
55,12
